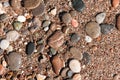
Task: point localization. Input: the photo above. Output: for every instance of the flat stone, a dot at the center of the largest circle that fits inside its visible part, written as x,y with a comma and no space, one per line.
53,51
30,47
56,40
14,61
2,70
106,28
66,18
78,5
12,35
93,29
75,38
4,44
100,17
75,66
74,23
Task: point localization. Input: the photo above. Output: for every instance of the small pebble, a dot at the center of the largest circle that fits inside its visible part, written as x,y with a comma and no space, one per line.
53,51
4,63
74,23
53,11
17,25
86,58
12,35
46,28
117,77
6,4
66,30
21,18
69,73
30,47
3,17
64,72
46,23
75,38
106,28
40,77
4,44
66,18
115,3
14,61
118,22
2,70
100,17
77,77
78,5
75,66
93,29
40,48
88,39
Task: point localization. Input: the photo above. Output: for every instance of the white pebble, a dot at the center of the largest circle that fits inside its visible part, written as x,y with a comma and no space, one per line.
100,17
46,28
4,44
21,18
53,11
40,77
12,35
88,39
75,66
10,48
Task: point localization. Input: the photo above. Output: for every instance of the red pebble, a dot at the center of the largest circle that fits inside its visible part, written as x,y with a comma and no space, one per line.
74,23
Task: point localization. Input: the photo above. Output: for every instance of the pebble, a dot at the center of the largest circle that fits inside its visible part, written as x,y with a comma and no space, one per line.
2,70
100,17
115,3
30,47
53,27
75,66
1,29
73,13
86,58
46,23
93,29
74,23
17,25
31,4
106,28
58,64
64,72
39,10
40,77
21,18
16,4
76,53
14,61
117,77
66,30
66,18
12,35
53,51
75,38
78,5
56,40
40,48
4,44
88,39
118,22
69,73
3,17
46,28
6,4
53,11
77,77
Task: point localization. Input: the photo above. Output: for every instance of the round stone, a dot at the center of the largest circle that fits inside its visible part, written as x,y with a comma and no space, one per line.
64,72
31,4
21,18
14,61
4,44
75,37
70,73
16,4
75,66
100,17
76,77
66,18
93,29
74,23
30,48
12,35
46,23
88,39
17,25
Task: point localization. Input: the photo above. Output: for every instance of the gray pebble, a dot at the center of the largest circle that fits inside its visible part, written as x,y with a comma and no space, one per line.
100,17
66,18
75,38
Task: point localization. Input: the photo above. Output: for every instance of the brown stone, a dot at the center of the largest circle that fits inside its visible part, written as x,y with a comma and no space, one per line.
118,22
115,3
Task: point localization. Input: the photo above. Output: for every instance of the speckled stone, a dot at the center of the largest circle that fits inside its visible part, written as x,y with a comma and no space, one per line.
100,17
74,37
66,18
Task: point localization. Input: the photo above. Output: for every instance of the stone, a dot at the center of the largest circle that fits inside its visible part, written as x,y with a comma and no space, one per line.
17,25
16,4
76,77
39,10
40,48
100,17
66,30
106,28
56,40
46,28
73,13
115,3
58,64
69,73
118,22
76,53
64,72
2,70
75,66
53,11
66,18
4,44
30,47
46,23
74,23
78,5
93,29
14,61
86,58
40,77
117,77
74,37
53,51
3,17
12,35
88,39
31,4
21,18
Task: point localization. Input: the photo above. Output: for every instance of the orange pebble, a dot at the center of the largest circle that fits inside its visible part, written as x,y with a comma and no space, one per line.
2,70
115,3
74,23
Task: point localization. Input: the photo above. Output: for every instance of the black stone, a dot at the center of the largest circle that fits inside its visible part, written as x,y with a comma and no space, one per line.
78,5
30,48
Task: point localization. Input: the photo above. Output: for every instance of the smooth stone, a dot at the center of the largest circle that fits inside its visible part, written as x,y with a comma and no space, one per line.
75,66
40,48
64,72
76,77
3,17
4,44
14,61
21,18
78,5
12,35
40,77
106,28
75,38
66,18
53,11
115,3
93,29
31,4
30,47
74,23
39,10
118,22
46,28
69,73
2,69
100,17
46,23
86,58
17,25
88,39
6,4
66,30
56,40
53,51
58,64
